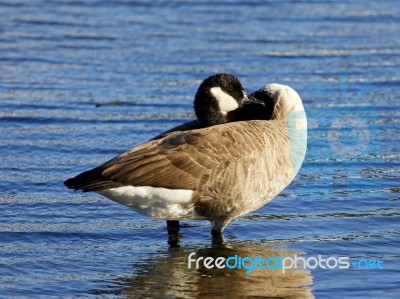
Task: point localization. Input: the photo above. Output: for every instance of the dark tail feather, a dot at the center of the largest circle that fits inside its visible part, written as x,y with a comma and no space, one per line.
91,180
71,183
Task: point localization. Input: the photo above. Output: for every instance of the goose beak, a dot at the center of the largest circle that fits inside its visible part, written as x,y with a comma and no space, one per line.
249,99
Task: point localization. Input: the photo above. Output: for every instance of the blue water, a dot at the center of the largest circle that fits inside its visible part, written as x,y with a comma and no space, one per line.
82,81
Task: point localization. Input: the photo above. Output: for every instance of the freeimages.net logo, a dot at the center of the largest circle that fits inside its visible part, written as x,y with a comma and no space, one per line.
249,264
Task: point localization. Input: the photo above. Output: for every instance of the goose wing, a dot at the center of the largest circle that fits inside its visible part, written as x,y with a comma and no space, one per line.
178,161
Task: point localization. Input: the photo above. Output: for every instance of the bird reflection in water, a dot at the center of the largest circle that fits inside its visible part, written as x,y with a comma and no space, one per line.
167,275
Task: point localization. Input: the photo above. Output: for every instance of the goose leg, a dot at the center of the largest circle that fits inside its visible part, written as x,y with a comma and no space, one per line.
217,226
172,227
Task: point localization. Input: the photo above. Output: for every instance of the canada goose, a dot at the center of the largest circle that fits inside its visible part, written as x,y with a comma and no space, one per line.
216,173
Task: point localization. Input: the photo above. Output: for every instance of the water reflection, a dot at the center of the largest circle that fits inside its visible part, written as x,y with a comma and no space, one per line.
168,275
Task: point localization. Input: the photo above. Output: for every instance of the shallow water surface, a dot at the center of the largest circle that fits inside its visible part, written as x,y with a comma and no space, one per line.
82,81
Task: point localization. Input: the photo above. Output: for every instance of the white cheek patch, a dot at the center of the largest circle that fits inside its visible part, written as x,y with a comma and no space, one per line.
226,102
157,203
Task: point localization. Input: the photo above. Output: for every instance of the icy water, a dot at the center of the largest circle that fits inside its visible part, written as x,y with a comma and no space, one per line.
82,81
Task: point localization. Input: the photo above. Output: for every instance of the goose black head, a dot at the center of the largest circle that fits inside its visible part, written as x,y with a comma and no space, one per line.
257,112
218,97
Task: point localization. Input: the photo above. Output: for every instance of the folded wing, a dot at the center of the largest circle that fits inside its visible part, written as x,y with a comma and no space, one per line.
180,160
